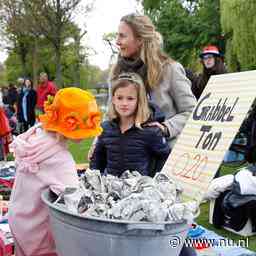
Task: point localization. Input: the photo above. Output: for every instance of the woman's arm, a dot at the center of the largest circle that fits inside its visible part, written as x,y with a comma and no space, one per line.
183,99
159,150
157,143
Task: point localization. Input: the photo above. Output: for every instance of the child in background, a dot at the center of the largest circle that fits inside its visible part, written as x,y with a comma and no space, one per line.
43,161
127,141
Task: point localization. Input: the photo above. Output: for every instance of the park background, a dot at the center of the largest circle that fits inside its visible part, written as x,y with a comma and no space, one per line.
42,35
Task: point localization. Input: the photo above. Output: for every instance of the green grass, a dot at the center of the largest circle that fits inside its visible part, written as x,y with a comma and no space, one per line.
80,151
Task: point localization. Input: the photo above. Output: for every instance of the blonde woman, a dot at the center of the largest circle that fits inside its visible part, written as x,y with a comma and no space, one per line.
126,142
140,51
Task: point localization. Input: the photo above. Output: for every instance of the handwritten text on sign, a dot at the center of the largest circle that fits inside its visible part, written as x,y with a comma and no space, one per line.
209,131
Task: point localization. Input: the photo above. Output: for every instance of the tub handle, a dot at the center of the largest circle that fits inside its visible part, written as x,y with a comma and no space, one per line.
133,226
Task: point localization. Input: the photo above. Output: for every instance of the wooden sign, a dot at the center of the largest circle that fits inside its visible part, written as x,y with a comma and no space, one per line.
209,132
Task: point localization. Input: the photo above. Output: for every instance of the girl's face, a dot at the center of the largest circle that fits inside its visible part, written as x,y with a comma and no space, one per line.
208,61
125,101
129,45
28,83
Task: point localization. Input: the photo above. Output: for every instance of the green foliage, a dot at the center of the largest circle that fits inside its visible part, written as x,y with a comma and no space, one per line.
80,150
45,62
2,75
92,75
178,41
42,27
239,23
186,26
151,5
15,70
89,75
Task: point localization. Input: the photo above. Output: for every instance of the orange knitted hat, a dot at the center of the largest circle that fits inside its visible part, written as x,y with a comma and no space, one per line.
73,112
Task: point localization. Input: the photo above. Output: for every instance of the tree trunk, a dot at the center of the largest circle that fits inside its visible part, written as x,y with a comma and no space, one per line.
58,68
23,54
35,61
77,65
58,44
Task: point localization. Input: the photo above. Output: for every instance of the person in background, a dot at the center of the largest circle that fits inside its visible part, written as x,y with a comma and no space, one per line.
127,143
43,161
26,105
44,88
212,62
2,125
11,115
12,95
5,134
190,74
1,96
8,110
4,90
20,83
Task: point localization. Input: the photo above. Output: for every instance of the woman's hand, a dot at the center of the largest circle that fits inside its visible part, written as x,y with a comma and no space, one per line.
163,127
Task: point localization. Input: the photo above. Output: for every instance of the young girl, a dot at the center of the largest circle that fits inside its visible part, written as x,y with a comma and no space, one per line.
212,64
127,143
43,161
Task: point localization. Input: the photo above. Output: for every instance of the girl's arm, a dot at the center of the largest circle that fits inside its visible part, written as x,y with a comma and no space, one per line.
98,160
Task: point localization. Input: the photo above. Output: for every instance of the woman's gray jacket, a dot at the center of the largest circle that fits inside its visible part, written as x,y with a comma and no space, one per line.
174,97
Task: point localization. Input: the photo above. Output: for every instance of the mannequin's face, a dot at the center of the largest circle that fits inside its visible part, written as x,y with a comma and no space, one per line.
208,60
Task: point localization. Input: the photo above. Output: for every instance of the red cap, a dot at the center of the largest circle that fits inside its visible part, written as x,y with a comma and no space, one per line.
210,49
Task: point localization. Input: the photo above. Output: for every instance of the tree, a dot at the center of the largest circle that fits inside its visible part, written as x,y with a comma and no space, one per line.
239,23
186,26
77,36
52,18
2,75
109,39
13,28
45,62
15,69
